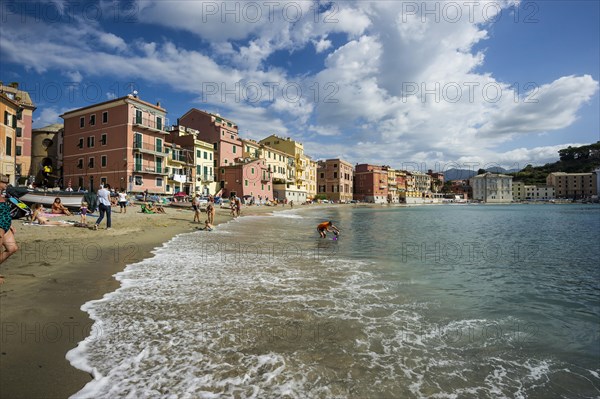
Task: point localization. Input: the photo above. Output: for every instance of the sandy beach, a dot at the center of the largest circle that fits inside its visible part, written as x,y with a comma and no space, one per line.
55,272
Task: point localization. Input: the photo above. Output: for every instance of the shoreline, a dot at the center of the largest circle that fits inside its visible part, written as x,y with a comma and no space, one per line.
59,269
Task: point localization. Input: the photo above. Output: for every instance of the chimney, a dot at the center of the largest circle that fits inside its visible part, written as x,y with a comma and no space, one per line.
158,103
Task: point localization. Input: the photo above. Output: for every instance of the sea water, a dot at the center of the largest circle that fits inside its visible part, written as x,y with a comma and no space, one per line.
457,301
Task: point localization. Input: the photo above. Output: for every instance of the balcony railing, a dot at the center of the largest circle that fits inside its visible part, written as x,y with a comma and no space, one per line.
143,168
266,176
148,148
205,178
154,124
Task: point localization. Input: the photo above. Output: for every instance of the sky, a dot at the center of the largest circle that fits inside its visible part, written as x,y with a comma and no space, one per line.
411,84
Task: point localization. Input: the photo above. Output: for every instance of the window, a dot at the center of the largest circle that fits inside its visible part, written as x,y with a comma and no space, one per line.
210,156
103,161
105,117
205,155
206,171
91,163
138,180
90,141
159,125
198,154
234,149
103,139
9,146
19,132
103,181
92,120
225,161
252,170
80,144
322,175
222,171
80,164
335,175
18,150
246,183
81,122
159,182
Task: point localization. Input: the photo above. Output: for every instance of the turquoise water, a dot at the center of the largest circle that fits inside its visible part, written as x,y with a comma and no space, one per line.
431,301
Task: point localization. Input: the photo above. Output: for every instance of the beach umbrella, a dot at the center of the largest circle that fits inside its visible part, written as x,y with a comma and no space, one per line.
181,194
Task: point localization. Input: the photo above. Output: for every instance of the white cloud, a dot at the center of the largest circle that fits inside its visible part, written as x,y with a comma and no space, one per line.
321,45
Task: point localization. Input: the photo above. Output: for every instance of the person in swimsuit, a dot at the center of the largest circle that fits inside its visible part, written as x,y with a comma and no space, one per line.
59,208
7,232
38,216
83,211
322,228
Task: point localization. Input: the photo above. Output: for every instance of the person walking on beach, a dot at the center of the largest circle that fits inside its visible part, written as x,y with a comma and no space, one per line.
7,231
322,228
104,206
83,210
238,206
210,210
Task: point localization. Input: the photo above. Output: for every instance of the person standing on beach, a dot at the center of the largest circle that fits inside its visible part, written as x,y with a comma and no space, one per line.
196,207
7,231
123,201
104,206
210,210
238,206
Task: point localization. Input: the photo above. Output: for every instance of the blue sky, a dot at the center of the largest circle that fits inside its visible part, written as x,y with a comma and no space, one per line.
432,84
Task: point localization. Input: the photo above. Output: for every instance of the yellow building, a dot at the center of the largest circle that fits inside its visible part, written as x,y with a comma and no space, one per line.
296,169
8,128
23,130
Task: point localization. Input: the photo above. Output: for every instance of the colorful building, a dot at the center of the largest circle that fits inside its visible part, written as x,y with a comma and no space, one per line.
202,176
370,183
8,110
220,132
24,121
247,179
120,142
335,180
297,181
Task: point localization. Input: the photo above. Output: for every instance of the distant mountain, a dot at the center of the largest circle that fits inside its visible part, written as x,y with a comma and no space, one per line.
498,169
458,174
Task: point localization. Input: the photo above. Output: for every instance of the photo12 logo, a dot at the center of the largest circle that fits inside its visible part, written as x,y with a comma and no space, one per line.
470,11
255,92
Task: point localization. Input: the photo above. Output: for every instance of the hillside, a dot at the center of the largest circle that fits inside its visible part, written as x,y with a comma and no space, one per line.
582,159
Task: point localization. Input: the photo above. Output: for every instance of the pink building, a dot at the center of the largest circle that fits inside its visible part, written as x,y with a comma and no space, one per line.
120,142
370,183
220,132
250,178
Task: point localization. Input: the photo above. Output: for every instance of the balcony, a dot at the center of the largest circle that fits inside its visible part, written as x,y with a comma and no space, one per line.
153,124
205,178
155,170
266,176
148,148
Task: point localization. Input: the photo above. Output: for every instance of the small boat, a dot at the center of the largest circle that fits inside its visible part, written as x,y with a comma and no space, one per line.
70,199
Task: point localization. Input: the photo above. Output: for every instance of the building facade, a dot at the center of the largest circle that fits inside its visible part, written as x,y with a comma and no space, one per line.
120,142
23,129
573,185
370,183
8,128
47,152
335,180
247,179
530,192
492,188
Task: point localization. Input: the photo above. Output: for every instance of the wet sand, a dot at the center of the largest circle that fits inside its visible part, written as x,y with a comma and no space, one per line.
57,270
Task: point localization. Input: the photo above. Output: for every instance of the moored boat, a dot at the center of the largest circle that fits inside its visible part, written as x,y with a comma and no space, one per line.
70,199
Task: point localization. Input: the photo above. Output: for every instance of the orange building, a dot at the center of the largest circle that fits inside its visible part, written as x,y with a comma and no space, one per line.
23,127
120,142
8,127
335,180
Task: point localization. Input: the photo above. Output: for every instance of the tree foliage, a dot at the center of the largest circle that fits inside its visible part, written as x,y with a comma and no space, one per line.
582,159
